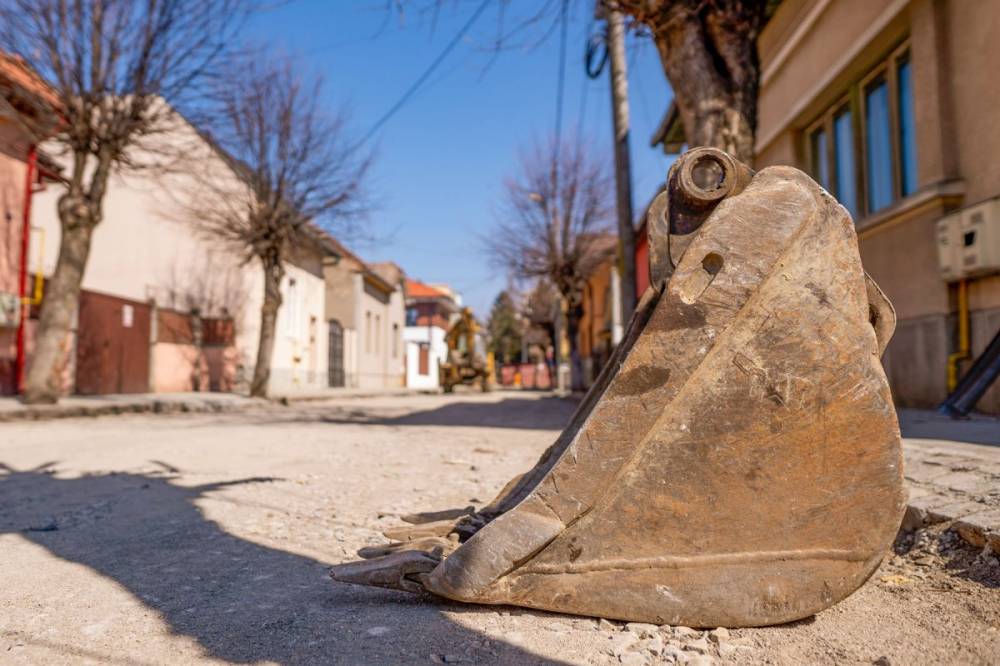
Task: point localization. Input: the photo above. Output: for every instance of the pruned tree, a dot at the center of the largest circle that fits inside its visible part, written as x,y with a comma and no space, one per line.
554,222
708,49
111,63
294,171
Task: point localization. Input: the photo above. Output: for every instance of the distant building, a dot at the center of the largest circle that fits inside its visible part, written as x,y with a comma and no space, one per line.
600,327
365,308
429,312
889,105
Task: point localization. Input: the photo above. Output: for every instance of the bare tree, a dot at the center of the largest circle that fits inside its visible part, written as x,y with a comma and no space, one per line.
709,53
111,63
555,222
295,171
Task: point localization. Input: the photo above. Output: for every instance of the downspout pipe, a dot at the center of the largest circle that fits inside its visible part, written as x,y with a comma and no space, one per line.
22,277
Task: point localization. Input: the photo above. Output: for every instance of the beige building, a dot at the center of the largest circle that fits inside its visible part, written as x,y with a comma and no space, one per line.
365,306
166,309
890,104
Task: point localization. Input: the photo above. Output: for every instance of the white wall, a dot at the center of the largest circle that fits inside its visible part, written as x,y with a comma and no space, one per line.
301,342
437,351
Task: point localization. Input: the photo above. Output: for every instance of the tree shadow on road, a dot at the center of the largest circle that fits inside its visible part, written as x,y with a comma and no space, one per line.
241,601
550,413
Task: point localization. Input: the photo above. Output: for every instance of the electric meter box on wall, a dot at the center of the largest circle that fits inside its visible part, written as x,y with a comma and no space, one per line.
969,241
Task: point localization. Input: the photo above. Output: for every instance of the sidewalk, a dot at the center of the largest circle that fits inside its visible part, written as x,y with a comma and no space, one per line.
12,409
953,474
310,394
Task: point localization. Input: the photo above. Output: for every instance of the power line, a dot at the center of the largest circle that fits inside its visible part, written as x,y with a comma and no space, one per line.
427,72
561,85
560,93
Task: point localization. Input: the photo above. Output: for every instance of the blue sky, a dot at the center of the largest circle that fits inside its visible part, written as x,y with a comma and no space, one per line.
442,159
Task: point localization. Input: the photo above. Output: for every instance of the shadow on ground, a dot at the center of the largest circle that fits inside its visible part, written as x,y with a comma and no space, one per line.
241,601
550,413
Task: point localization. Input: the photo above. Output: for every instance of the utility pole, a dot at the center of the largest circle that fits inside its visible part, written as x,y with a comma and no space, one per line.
623,168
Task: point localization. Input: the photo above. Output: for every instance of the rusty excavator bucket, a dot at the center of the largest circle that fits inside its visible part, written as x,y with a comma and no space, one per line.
737,463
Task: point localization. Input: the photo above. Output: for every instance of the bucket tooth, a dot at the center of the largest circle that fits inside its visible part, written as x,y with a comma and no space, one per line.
438,546
737,462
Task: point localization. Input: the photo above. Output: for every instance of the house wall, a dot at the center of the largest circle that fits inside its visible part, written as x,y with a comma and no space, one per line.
373,322
381,356
812,51
13,171
147,250
300,348
596,336
340,296
433,337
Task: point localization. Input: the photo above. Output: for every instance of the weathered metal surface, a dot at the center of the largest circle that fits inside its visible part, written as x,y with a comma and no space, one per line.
738,461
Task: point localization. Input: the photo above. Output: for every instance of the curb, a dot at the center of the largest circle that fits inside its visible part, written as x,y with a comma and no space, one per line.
52,412
977,524
360,395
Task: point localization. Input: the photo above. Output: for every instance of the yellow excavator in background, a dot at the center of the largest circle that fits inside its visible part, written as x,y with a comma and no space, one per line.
467,363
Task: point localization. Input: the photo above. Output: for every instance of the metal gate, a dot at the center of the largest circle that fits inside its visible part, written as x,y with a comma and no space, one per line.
112,349
335,355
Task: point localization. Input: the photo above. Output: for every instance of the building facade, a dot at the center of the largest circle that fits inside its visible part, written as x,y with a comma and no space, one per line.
884,103
26,118
366,313
429,314
164,308
600,327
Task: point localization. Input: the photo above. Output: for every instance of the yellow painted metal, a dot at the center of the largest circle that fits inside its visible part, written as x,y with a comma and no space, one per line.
963,335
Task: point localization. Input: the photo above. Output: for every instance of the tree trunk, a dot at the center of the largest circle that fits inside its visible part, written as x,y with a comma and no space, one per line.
709,53
574,313
44,379
273,273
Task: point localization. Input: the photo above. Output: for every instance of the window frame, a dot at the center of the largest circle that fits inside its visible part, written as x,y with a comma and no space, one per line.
848,103
854,101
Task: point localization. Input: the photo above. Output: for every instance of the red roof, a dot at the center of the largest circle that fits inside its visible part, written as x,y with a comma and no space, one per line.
416,289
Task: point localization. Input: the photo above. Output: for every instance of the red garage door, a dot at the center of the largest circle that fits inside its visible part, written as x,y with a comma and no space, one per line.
112,349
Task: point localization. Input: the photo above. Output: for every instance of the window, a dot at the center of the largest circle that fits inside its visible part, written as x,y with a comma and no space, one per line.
878,140
368,331
423,359
291,308
843,142
831,155
378,333
907,131
395,340
411,316
821,158
863,148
